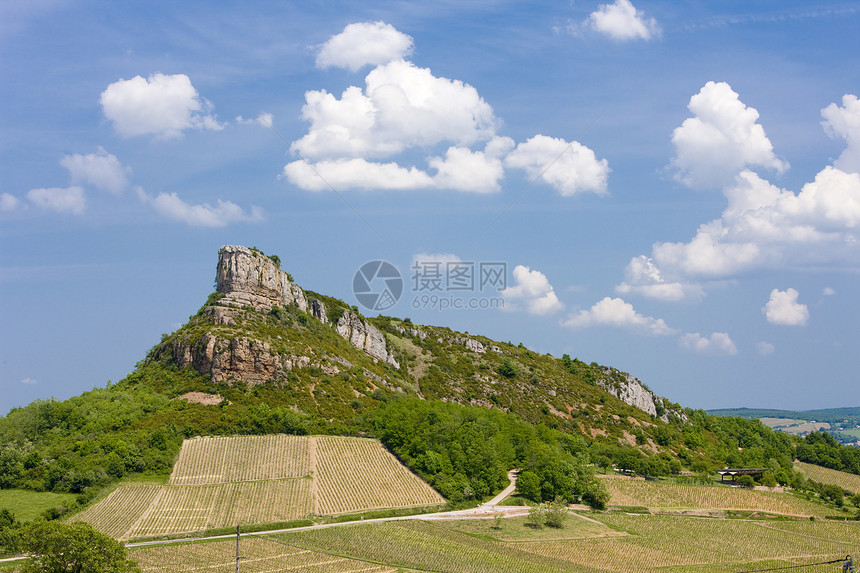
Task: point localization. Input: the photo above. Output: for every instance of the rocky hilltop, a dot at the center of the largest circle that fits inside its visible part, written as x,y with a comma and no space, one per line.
261,328
247,281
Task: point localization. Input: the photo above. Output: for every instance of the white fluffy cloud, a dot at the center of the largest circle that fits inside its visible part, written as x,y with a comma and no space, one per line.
465,170
719,343
402,106
60,199
762,226
844,122
721,139
533,291
8,202
355,173
569,167
161,105
644,278
100,169
783,308
221,214
357,140
29,381
622,21
364,43
615,312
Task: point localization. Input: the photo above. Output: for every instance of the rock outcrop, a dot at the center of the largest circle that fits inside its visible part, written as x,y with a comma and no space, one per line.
365,336
248,278
249,360
631,391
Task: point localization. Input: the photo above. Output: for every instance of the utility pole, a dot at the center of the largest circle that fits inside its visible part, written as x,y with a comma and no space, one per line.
238,557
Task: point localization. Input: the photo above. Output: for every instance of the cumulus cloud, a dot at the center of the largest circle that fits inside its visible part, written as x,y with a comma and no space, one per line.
720,140
60,199
402,106
719,343
465,170
844,123
762,226
533,291
223,213
615,312
644,278
764,348
621,21
570,168
364,43
161,105
100,169
827,291
8,202
29,381
355,173
783,308
356,140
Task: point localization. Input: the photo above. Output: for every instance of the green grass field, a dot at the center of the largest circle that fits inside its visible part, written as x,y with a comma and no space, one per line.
28,505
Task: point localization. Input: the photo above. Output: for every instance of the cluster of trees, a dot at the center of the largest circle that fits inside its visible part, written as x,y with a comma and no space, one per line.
57,547
466,452
822,449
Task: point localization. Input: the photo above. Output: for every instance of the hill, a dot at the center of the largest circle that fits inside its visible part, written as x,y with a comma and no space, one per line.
842,423
264,356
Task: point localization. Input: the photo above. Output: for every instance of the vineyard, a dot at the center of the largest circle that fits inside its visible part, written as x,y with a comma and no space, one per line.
118,512
629,492
222,482
424,546
257,556
217,460
703,544
848,482
357,474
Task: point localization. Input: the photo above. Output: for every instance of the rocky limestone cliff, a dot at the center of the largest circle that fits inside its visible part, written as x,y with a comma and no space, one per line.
240,358
249,280
631,391
364,336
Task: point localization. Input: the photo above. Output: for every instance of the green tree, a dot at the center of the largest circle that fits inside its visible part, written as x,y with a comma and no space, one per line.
556,513
73,548
536,516
507,369
528,485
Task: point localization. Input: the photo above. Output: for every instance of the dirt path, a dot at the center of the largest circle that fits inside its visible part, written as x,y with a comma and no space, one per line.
512,477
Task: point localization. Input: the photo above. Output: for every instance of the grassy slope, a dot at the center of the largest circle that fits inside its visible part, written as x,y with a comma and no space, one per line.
28,505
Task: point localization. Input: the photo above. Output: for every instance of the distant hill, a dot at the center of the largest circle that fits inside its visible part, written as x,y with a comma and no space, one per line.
842,423
825,415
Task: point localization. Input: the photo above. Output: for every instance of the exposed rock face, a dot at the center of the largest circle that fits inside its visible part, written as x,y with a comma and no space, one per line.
630,390
241,358
365,336
475,345
250,279
318,311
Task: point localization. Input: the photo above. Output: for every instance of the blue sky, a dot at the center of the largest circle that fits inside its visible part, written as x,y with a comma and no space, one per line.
672,186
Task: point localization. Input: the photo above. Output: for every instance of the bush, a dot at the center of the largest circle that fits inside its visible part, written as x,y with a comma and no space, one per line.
746,481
